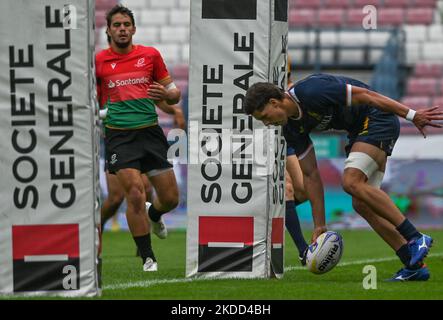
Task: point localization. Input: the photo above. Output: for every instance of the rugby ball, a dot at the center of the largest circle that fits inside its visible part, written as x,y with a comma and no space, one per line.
324,253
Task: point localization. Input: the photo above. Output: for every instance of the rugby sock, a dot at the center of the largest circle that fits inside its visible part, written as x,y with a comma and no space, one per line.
407,230
144,247
293,226
155,214
405,256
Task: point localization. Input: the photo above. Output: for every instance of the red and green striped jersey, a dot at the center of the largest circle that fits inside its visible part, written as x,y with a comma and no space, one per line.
122,85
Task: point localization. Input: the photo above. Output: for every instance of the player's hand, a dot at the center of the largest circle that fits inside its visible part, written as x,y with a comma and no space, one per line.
426,117
179,119
317,232
157,91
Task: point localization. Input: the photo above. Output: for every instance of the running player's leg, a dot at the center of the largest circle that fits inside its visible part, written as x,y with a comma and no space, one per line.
387,232
166,190
132,184
296,174
363,161
383,227
148,188
355,181
148,195
161,175
292,222
115,198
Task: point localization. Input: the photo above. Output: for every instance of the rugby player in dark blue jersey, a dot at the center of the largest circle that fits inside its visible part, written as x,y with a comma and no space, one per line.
321,102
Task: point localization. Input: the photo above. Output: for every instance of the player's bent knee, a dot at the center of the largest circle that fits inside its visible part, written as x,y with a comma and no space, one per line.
289,191
361,161
116,199
169,201
170,204
135,196
352,186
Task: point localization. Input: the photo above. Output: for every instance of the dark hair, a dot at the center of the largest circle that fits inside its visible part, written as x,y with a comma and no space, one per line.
118,8
259,94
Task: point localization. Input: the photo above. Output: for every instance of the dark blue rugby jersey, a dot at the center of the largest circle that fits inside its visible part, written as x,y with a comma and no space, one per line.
325,101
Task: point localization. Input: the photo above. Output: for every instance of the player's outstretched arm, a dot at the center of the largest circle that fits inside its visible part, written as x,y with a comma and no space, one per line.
421,118
314,190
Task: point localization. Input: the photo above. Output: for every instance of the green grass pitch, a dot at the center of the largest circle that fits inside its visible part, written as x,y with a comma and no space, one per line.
123,277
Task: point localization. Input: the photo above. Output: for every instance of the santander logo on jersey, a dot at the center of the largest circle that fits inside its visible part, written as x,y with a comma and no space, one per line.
126,82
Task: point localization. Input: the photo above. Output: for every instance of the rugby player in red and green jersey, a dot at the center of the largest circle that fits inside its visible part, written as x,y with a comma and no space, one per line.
131,79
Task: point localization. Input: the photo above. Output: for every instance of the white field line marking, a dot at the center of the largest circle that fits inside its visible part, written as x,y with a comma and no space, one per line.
150,283
357,262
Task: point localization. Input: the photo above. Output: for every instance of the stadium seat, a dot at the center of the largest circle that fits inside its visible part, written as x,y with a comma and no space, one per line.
328,38
330,17
147,36
437,101
415,33
164,4
407,128
354,38
418,102
337,3
391,16
432,51
428,70
176,34
100,18
379,38
133,4
101,38
184,53
180,17
180,71
422,86
423,3
303,4
396,3
354,17
184,4
296,54
413,52
302,17
354,56
362,3
300,38
435,32
154,17
326,56
375,55
169,51
419,16
104,4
